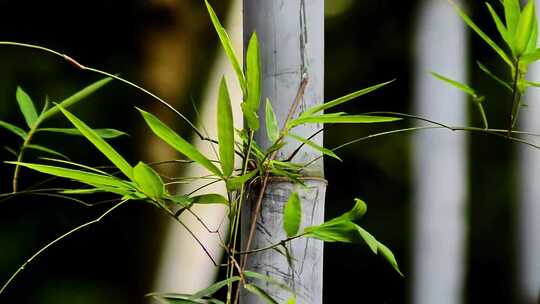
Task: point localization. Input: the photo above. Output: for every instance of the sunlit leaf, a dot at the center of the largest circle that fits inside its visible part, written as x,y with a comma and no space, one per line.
524,28
292,300
256,290
236,182
344,99
148,180
182,200
27,107
530,57
210,199
272,128
100,144
501,28
227,46
12,128
251,117
253,73
78,175
341,119
292,215
533,41
389,256
46,150
485,37
463,87
357,212
310,143
214,288
369,239
177,142
75,98
512,10
225,130
103,133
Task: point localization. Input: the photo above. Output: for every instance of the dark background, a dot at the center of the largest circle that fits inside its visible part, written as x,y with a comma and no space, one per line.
113,262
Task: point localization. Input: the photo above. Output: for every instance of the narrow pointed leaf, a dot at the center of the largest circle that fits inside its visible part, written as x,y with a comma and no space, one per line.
210,199
27,107
14,129
344,99
313,145
251,117
103,133
78,175
501,28
236,182
148,180
292,215
533,41
67,162
256,290
369,239
485,37
389,256
227,46
342,119
524,28
253,73
356,213
292,300
530,57
213,288
177,142
493,76
272,128
225,130
512,10
46,150
463,87
100,144
12,151
75,98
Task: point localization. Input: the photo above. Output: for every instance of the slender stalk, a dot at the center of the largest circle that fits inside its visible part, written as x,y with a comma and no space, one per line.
58,239
25,144
516,96
482,114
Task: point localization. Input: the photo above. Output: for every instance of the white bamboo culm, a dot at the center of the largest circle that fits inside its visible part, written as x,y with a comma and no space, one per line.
184,267
529,215
439,159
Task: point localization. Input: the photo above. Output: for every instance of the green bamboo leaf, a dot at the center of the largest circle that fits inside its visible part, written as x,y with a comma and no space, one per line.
236,182
75,98
83,191
463,87
357,212
100,144
493,76
482,35
334,231
11,151
256,290
272,128
530,57
512,10
369,239
341,119
292,215
227,46
251,117
103,133
14,129
27,107
225,130
501,28
61,161
533,42
524,28
270,280
213,288
148,180
78,175
344,99
321,149
253,73
210,199
389,256
292,300
182,200
46,150
177,142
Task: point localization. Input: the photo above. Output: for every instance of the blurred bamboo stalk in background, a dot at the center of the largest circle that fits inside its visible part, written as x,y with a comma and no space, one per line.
439,159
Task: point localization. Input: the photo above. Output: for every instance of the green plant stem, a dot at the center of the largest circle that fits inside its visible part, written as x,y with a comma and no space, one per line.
482,114
97,71
25,144
516,96
281,243
58,239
